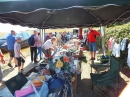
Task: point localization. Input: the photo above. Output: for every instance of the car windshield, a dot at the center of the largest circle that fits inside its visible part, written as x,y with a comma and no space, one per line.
4,36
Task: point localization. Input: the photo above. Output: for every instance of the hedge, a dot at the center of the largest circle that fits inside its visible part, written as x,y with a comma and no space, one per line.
119,32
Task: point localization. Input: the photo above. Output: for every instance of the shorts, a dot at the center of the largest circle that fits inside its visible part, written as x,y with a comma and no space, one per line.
47,52
92,46
20,60
11,52
1,74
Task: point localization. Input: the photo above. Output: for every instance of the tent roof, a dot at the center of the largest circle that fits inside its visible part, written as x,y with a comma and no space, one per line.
63,13
30,5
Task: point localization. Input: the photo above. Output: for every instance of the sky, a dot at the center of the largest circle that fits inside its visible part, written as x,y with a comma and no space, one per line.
8,27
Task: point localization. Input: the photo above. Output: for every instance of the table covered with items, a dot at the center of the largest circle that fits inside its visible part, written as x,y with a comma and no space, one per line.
57,77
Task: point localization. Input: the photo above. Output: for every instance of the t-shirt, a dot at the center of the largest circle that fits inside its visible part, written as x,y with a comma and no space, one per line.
17,47
10,42
37,41
48,44
92,35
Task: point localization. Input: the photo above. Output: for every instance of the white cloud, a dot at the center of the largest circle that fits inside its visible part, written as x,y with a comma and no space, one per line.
8,27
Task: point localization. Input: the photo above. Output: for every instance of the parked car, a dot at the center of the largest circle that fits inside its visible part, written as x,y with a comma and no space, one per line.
24,42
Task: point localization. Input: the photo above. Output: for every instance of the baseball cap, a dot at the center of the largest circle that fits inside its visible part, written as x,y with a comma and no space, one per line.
18,37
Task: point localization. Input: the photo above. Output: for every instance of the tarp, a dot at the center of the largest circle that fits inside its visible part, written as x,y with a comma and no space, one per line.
44,14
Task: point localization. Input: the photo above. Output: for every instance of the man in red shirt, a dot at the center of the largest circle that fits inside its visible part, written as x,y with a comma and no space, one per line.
92,41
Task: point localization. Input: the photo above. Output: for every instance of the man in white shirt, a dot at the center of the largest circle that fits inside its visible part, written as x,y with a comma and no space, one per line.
48,46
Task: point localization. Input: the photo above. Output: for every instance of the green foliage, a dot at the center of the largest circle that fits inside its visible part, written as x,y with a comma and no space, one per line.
119,32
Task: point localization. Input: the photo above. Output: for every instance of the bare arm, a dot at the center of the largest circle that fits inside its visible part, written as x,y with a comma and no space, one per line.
2,57
19,51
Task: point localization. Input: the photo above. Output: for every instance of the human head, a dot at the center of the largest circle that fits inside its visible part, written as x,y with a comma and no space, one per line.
12,32
35,32
53,39
50,34
18,39
89,28
38,34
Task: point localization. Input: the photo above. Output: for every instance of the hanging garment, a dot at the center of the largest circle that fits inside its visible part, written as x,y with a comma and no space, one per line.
128,58
124,44
116,50
110,44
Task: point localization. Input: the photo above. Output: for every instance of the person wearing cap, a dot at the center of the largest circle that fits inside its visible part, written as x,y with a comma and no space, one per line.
10,44
92,41
48,46
18,54
1,73
48,36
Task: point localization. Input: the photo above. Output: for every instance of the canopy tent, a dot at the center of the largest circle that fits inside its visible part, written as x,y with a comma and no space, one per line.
45,14
68,17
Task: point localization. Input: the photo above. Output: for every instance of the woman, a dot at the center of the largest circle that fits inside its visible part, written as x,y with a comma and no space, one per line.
39,44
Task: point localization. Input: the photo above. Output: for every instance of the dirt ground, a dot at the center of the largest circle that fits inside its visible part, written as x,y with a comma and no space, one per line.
83,81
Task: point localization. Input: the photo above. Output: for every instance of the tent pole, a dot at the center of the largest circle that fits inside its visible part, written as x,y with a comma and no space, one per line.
41,34
102,29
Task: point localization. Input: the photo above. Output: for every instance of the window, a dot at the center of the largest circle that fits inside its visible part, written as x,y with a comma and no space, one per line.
4,36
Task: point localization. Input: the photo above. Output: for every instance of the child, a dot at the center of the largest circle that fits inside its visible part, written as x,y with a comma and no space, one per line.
17,54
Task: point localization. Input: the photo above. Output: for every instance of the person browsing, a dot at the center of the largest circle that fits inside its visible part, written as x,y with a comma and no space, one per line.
18,54
48,46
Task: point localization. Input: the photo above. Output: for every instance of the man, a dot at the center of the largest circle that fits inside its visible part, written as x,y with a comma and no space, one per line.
48,36
48,46
33,48
58,36
10,44
1,73
92,41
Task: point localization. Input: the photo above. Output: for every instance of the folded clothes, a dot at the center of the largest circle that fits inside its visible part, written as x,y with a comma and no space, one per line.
25,92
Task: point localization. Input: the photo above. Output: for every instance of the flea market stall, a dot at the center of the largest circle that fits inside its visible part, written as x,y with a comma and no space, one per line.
60,71
56,77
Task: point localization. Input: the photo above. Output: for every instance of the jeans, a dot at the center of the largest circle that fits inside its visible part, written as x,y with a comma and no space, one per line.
33,51
92,46
39,52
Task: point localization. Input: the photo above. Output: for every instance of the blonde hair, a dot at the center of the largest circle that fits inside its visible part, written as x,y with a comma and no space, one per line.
53,38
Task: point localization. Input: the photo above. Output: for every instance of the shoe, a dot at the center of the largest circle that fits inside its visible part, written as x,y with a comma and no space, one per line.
10,65
16,65
22,71
36,62
91,59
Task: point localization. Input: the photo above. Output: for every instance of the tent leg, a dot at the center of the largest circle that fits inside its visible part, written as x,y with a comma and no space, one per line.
103,39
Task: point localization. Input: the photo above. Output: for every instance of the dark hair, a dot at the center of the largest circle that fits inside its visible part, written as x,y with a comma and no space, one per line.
38,34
